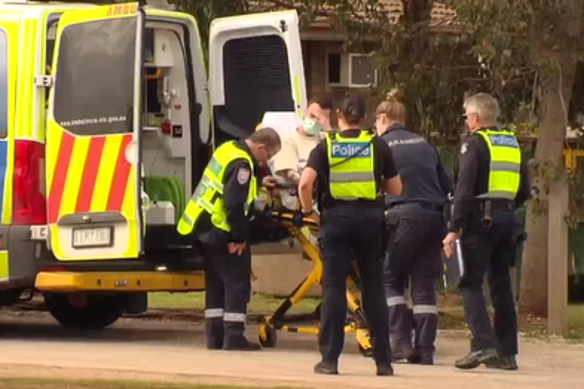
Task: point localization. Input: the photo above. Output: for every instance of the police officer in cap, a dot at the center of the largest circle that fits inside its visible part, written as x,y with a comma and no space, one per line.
416,229
218,214
492,182
351,167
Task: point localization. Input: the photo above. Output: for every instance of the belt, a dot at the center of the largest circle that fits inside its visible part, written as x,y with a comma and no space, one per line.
487,207
425,206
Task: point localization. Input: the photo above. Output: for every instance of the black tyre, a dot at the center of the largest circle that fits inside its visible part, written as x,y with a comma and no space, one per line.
271,337
84,312
10,297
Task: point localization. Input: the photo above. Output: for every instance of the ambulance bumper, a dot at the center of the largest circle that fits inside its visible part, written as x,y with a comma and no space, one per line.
120,281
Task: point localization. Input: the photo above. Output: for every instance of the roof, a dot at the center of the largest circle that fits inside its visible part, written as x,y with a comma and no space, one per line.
441,15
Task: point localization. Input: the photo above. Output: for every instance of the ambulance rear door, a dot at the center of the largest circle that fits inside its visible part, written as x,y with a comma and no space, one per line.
255,66
93,135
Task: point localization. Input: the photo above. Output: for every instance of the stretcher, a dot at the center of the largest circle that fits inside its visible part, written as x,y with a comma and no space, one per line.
280,320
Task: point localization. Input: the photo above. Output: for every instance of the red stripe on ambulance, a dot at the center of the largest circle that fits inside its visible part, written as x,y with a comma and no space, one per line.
90,171
58,184
121,175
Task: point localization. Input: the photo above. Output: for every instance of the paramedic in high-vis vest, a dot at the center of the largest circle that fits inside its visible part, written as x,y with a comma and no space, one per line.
492,182
352,168
218,214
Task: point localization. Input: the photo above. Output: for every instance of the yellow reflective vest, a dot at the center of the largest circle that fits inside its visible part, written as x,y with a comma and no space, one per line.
352,166
208,196
505,167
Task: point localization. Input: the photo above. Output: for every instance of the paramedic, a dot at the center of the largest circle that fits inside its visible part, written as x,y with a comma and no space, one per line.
351,168
416,228
218,214
297,145
492,182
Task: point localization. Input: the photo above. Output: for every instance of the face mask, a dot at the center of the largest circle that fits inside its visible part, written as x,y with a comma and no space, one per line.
311,127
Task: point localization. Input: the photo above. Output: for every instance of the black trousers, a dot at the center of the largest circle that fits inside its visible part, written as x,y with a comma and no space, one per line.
342,239
490,250
413,256
228,287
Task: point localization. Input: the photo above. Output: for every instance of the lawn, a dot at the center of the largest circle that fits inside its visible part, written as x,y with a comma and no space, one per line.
37,383
451,311
260,303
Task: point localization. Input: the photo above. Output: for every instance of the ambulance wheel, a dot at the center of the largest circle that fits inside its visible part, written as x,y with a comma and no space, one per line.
366,352
271,336
84,311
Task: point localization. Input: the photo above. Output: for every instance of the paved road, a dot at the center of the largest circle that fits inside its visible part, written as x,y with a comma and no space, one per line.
173,351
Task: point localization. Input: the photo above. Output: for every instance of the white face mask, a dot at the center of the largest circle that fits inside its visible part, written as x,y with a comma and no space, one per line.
311,127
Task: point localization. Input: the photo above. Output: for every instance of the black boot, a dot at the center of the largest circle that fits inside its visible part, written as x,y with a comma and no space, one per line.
475,358
329,368
503,363
384,369
242,345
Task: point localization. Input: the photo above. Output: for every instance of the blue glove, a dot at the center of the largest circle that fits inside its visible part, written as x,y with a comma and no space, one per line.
299,218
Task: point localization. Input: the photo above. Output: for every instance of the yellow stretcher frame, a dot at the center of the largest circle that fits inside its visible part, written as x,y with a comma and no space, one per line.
278,321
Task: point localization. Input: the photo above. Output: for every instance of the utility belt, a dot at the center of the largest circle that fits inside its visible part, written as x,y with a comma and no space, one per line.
486,209
417,205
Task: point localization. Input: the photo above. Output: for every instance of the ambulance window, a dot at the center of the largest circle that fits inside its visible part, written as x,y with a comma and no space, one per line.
95,76
3,85
258,67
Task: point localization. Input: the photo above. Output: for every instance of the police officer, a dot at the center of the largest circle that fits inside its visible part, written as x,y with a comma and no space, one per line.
492,181
351,168
416,229
218,213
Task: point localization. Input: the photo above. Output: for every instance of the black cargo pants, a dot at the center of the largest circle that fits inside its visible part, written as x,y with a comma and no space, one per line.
343,238
228,287
416,232
490,250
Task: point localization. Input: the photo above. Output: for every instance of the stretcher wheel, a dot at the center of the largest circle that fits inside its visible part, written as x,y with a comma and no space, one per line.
366,352
268,336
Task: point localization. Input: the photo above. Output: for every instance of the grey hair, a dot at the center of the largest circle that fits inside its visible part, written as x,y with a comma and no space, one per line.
485,106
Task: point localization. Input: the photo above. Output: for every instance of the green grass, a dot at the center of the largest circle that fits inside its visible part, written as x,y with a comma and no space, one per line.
45,383
259,303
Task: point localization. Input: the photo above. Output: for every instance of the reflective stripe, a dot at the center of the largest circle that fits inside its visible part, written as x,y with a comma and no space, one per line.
187,219
425,310
234,317
397,300
497,195
351,177
213,313
511,167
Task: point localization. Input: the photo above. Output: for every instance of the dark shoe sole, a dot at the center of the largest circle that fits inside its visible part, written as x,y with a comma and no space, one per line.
385,371
476,364
501,367
244,348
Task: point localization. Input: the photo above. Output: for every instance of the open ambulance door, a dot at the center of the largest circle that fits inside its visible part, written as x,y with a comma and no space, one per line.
93,161
255,66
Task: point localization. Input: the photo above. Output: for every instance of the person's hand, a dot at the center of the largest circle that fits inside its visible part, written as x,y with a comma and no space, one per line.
269,182
236,248
298,219
448,242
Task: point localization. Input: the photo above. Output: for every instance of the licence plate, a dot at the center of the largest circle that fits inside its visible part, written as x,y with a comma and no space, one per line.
92,237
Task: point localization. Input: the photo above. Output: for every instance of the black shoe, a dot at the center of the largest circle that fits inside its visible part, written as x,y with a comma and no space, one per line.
326,368
384,369
416,359
243,346
475,358
211,346
399,353
503,363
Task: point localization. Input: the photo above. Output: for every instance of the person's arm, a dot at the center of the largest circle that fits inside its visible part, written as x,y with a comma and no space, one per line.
464,192
236,186
524,185
315,164
391,180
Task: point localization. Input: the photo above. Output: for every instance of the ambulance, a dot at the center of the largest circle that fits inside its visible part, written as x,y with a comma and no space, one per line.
107,120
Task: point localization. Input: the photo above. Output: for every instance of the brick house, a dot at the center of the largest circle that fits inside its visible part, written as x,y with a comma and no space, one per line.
329,68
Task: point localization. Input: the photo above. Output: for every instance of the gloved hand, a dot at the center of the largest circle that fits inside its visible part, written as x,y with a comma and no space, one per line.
299,219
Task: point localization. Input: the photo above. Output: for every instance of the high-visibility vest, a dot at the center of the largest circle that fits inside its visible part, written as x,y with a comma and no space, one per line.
208,196
352,166
505,168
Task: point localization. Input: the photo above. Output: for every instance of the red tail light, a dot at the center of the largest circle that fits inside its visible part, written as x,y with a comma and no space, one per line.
29,204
